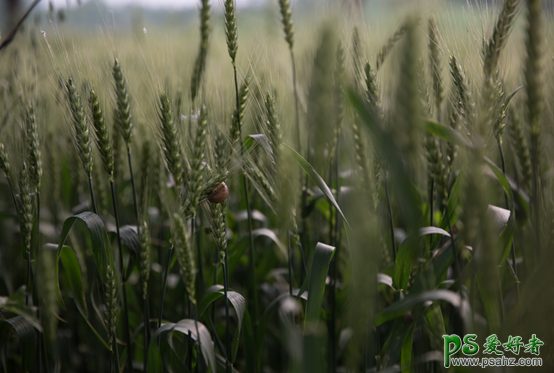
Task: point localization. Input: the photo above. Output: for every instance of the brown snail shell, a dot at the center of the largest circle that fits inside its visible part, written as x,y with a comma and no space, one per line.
219,193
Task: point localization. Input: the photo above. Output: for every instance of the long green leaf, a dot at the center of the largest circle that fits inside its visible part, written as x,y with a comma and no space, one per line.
131,240
74,279
261,139
406,353
316,284
155,364
408,252
27,340
249,339
312,173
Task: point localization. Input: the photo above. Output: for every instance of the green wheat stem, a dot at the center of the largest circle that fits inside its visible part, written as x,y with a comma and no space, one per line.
512,215
252,257
391,218
164,286
535,95
126,326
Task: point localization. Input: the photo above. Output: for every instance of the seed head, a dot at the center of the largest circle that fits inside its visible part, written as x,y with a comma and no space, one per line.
81,130
231,29
123,107
4,160
286,18
103,142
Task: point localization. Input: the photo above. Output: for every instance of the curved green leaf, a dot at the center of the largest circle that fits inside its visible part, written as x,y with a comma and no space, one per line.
312,173
447,133
501,178
101,249
261,139
239,304
266,232
237,301
15,303
73,277
213,293
412,301
316,282
102,254
408,252
131,240
203,336
154,357
27,340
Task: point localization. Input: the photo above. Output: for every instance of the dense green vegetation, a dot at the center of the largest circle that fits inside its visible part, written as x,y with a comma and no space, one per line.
259,196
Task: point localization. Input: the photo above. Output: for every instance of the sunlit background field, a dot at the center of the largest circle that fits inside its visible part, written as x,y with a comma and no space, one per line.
364,178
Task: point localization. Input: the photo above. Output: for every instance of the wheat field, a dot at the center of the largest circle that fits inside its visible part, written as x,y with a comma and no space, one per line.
290,188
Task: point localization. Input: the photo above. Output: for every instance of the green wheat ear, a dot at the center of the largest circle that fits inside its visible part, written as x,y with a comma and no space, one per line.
496,43
103,142
372,90
123,106
286,18
195,182
231,29
200,63
145,257
35,157
81,130
435,63
391,42
112,310
25,208
407,105
4,161
219,228
170,142
274,127
465,105
357,57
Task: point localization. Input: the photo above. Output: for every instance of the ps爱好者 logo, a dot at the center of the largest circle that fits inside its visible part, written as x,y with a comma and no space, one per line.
492,346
